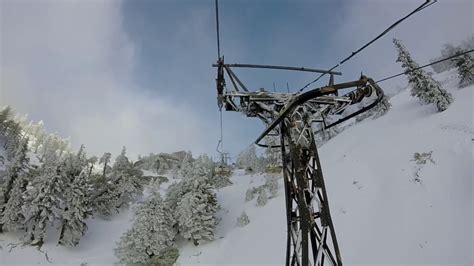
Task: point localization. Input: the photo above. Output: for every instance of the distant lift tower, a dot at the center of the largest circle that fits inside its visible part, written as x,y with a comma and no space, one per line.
311,238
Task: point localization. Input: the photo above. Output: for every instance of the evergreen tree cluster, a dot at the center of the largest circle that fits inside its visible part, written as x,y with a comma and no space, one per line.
465,68
193,201
268,190
250,161
188,211
450,50
273,158
151,240
117,186
422,84
60,189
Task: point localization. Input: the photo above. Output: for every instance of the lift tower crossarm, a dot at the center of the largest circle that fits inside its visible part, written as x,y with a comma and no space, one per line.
303,69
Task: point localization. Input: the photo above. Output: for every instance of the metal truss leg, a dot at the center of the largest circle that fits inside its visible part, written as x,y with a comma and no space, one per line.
311,238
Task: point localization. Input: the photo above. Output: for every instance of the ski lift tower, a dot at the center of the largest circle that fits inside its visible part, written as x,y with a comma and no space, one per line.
311,237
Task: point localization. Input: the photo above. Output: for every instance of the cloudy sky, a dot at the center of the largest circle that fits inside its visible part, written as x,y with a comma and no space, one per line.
138,73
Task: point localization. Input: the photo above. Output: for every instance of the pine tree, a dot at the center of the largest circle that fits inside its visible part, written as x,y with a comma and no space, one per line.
194,203
249,160
220,180
174,194
39,134
14,186
10,131
201,167
105,159
196,211
5,115
120,188
243,220
250,194
262,198
102,197
43,200
75,170
91,162
150,241
77,211
423,85
121,162
12,218
186,168
126,179
273,159
271,184
465,67
106,199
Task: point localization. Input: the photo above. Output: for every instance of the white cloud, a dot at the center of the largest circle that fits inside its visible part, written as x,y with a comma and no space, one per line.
70,64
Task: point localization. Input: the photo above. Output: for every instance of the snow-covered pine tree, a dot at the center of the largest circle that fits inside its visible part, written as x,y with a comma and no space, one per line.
38,132
10,131
465,67
186,167
43,201
174,193
13,187
196,211
75,170
273,159
423,85
122,186
54,143
77,211
12,218
91,162
271,184
243,219
249,160
121,162
127,179
105,200
262,198
250,194
150,241
5,115
220,180
101,188
202,166
447,51
194,203
105,159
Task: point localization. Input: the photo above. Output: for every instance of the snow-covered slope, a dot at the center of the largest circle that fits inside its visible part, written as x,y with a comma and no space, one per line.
381,214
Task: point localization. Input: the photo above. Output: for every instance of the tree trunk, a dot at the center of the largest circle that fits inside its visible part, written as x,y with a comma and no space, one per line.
105,167
61,235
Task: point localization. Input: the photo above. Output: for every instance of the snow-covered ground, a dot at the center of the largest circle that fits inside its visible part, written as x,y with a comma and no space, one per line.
381,214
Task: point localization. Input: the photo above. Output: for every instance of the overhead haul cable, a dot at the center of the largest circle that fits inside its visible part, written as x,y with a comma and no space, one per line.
426,4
